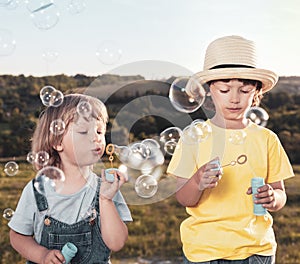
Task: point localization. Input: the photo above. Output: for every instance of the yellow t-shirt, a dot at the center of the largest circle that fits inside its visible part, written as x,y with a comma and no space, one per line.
222,225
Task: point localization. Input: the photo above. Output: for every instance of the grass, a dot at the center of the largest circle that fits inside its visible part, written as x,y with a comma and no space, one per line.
154,234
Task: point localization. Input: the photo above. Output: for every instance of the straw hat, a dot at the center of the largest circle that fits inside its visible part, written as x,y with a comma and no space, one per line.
234,57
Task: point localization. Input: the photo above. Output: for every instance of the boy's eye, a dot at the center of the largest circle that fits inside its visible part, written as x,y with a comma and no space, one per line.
224,91
82,132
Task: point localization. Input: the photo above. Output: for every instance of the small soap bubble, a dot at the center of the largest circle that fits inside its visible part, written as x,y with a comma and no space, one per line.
170,147
84,109
108,52
122,152
45,94
5,2
186,94
76,6
57,127
50,56
49,179
56,98
7,42
237,137
13,4
169,138
8,213
46,16
42,158
11,168
151,145
258,115
31,157
146,186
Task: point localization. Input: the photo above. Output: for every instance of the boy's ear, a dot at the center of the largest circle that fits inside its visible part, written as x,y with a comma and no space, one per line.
58,148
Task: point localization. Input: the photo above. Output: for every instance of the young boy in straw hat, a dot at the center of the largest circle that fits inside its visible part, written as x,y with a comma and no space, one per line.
222,227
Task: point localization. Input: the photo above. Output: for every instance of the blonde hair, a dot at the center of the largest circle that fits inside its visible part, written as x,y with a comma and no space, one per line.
44,140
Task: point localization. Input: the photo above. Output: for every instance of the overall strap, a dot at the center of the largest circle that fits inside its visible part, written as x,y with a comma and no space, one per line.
40,199
96,197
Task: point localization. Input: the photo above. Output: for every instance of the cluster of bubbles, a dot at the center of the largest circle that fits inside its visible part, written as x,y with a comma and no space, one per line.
148,155
50,96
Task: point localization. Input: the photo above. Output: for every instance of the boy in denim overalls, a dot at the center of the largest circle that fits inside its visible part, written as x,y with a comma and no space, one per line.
87,210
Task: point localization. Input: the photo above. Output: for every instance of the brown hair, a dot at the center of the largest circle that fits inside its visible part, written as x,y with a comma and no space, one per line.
258,84
44,140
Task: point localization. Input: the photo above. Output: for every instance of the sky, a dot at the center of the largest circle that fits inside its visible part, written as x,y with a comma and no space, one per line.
156,38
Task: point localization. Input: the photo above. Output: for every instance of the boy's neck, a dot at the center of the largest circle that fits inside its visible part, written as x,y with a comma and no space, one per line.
230,124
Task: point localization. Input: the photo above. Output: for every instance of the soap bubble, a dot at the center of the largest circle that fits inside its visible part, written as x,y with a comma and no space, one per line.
186,94
57,98
146,186
258,115
12,5
8,213
84,109
11,168
7,42
138,155
31,157
237,137
197,131
169,138
76,6
45,15
42,158
45,94
108,52
49,179
4,2
50,56
57,127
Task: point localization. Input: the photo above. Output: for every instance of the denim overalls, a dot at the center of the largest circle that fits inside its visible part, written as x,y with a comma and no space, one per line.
85,234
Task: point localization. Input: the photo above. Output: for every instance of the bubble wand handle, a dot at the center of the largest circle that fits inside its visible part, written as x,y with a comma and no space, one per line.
69,251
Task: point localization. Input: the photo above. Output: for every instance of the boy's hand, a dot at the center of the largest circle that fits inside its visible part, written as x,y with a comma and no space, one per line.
53,257
109,189
208,175
265,196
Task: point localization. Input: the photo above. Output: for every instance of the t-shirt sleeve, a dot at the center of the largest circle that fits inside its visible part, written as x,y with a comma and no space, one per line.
122,207
183,161
279,166
23,218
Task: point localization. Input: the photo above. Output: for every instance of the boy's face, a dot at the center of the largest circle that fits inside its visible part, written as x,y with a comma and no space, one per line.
84,142
232,99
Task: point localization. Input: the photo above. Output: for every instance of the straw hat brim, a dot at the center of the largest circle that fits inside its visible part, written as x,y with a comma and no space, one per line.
268,78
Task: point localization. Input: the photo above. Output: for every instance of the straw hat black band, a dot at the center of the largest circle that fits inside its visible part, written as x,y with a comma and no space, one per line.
230,66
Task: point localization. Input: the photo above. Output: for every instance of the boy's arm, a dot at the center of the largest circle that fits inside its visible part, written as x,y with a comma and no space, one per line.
190,190
114,231
31,250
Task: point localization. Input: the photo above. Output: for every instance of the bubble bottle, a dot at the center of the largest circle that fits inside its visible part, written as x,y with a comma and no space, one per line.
69,251
258,209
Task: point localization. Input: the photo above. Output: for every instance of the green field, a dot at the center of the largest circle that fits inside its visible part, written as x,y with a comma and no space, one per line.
154,234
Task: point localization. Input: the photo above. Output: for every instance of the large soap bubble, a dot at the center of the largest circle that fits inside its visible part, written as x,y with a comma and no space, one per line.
49,179
186,94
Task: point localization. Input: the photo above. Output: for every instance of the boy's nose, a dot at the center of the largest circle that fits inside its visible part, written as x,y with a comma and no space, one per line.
234,98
